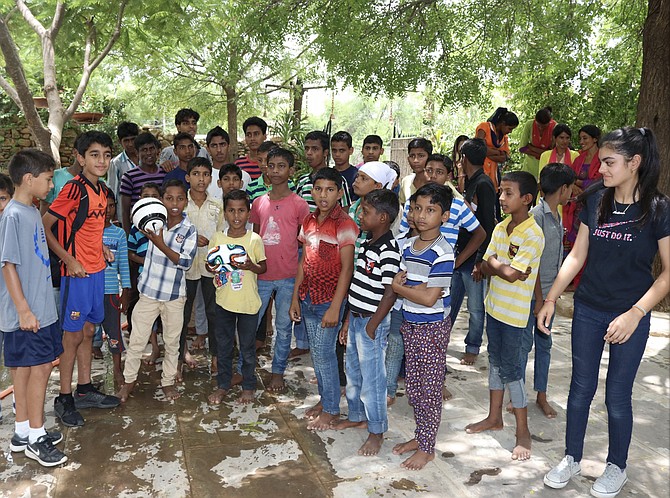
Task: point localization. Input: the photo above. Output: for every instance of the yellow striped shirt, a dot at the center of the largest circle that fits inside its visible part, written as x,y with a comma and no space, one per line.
510,302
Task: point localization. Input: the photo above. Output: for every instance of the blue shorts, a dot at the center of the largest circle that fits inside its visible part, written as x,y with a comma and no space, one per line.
24,348
82,300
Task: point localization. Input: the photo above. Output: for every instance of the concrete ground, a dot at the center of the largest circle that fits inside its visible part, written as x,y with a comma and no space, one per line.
152,447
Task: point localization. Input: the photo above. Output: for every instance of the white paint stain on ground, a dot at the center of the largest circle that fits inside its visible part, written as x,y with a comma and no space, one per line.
121,456
164,478
232,471
126,421
247,419
210,428
168,423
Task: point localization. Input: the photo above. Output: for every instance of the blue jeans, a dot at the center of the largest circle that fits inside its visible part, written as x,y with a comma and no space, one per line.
283,290
588,330
543,342
462,284
366,374
394,353
322,342
97,337
504,351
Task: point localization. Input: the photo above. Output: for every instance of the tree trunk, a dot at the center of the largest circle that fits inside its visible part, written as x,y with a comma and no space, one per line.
653,107
298,93
231,108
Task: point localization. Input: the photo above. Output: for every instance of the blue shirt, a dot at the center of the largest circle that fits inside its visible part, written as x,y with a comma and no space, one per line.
115,239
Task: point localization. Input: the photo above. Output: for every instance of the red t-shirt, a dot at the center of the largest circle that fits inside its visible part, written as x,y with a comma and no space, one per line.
87,245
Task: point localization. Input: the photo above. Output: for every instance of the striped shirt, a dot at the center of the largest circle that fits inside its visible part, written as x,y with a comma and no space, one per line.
304,189
434,266
138,243
460,216
161,279
115,239
257,188
249,166
133,180
377,263
509,302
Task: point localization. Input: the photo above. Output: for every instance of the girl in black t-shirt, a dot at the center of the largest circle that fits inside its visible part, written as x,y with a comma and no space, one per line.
625,223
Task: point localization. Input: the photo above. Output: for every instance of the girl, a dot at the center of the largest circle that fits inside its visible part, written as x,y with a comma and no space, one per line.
622,228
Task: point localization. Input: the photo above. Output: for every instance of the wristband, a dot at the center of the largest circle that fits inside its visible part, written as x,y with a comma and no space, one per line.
550,301
641,309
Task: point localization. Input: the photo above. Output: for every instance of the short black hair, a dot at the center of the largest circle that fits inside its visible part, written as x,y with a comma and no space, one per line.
561,128
31,161
420,143
267,146
217,131
152,185
543,116
237,195
373,139
475,150
174,183
146,138
321,136
591,130
441,158
283,153
255,121
127,129
554,175
183,136
111,196
438,194
6,184
343,136
526,182
230,168
394,166
184,114
384,201
198,161
88,138
330,174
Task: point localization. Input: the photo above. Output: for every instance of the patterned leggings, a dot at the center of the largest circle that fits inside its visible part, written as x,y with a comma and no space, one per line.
426,358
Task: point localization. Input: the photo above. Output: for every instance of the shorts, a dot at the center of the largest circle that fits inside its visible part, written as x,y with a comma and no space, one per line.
112,324
81,301
24,348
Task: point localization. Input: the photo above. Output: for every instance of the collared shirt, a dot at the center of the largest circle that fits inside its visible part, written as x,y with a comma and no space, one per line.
207,219
552,255
509,302
321,253
304,189
161,279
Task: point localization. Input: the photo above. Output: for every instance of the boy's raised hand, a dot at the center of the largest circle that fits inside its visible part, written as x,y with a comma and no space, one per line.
399,280
154,237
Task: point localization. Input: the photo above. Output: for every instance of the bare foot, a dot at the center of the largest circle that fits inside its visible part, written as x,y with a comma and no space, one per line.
190,361
215,367
315,411
217,396
179,376
151,359
446,394
544,405
198,343
323,422
468,359
418,460
170,392
390,400
509,407
125,391
405,447
297,352
522,449
246,397
236,380
314,381
348,424
260,345
276,383
119,380
372,445
488,424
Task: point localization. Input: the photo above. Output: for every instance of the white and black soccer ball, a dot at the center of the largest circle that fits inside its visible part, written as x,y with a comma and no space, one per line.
221,258
149,215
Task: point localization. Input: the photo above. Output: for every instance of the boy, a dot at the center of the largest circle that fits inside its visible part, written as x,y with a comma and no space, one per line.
373,148
126,160
255,133
83,264
370,301
277,217
262,184
162,287
512,260
418,151
237,299
316,152
28,318
206,214
218,144
423,283
328,236
186,121
6,191
341,148
556,181
185,149
118,270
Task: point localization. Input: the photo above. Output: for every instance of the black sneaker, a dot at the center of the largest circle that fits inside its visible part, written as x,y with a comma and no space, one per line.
66,412
45,452
95,399
19,443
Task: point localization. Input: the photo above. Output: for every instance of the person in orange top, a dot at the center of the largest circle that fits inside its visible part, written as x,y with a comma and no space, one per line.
495,133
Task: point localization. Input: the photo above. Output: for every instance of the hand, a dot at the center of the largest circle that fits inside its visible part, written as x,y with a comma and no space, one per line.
524,275
344,333
399,280
544,317
167,166
622,327
294,311
330,318
123,301
203,241
477,274
28,321
108,254
370,330
75,269
155,237
247,265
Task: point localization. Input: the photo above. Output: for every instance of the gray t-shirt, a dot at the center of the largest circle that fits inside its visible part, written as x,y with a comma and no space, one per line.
23,243
552,255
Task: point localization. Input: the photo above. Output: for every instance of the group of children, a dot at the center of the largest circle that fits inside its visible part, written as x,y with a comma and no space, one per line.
327,251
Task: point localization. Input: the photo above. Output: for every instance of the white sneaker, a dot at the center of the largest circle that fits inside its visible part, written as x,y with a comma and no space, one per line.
610,482
560,476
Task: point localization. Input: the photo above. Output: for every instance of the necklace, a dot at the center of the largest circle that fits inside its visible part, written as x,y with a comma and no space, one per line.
428,240
616,208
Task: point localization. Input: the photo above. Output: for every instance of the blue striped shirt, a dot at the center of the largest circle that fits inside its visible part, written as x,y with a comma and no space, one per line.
138,243
115,238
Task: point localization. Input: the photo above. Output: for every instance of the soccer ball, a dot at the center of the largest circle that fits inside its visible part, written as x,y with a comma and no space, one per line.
219,258
149,215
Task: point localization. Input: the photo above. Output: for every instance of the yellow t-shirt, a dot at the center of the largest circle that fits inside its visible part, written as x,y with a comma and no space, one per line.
236,290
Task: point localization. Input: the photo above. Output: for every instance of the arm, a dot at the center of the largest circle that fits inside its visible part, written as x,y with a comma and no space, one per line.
493,267
294,310
258,268
332,315
27,320
74,267
478,237
419,294
384,308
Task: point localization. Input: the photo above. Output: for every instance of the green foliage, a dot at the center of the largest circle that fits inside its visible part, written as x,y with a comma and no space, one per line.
292,137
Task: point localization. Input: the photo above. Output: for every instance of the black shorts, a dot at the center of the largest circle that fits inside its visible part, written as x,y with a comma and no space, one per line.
24,348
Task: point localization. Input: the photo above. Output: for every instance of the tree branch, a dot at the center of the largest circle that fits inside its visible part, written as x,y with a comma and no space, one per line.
57,21
9,90
30,18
